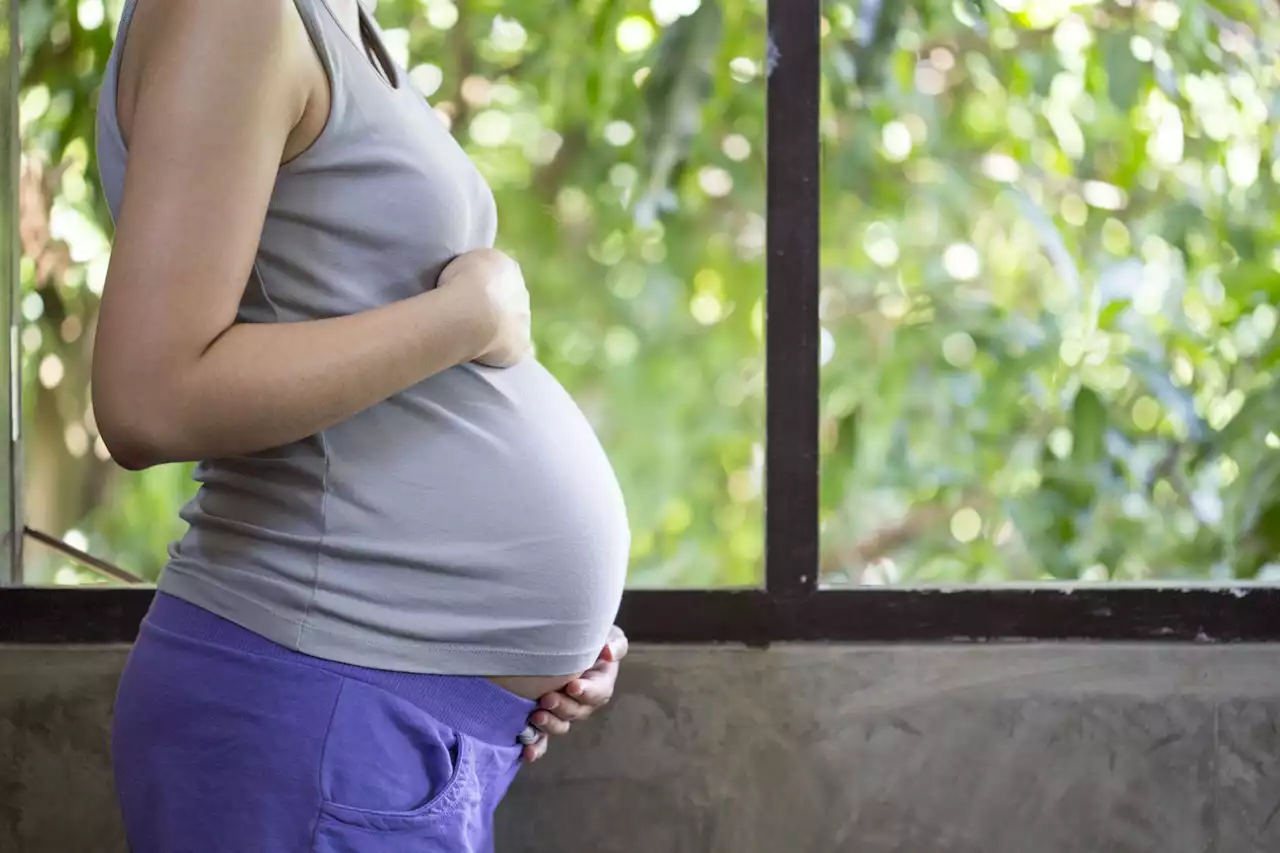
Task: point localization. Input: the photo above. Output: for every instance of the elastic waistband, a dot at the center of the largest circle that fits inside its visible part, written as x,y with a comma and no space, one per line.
472,705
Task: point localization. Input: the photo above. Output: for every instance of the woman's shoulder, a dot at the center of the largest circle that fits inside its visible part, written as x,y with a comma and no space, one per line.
262,33
215,52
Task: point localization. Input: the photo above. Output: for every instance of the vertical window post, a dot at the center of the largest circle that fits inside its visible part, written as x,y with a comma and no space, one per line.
792,332
10,411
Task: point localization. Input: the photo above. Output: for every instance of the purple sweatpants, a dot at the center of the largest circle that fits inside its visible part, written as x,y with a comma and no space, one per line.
225,742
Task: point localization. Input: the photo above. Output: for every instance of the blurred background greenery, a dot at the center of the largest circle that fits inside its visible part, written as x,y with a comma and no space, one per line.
1049,286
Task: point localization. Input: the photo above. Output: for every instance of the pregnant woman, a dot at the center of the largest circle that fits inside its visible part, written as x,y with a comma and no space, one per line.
407,535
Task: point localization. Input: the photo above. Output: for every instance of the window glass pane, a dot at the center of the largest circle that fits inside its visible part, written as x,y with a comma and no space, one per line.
1049,292
72,492
625,145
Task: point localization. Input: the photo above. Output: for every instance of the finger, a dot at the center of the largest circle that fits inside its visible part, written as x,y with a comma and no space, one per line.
564,707
535,751
595,686
550,723
615,648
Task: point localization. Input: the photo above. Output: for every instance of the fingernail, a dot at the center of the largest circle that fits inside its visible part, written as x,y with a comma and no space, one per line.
549,702
575,689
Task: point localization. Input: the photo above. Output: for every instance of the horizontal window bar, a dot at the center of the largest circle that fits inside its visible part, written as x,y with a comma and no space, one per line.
1179,614
888,615
55,615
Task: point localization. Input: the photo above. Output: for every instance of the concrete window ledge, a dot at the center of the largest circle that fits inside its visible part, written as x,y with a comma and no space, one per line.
1066,748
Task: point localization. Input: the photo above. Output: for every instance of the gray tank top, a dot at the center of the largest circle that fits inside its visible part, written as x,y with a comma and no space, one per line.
470,525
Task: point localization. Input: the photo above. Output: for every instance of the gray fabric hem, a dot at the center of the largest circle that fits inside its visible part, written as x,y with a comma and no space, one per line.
411,656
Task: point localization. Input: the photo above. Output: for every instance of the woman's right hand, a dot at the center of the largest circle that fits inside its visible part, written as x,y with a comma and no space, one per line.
490,283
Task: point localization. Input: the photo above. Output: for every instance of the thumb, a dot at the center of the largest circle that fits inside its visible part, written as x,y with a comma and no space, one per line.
616,648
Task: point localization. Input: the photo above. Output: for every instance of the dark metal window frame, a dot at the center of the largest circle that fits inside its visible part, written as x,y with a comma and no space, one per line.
10,408
790,607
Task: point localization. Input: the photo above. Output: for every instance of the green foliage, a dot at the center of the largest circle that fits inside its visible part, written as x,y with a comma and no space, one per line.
1049,236
1049,274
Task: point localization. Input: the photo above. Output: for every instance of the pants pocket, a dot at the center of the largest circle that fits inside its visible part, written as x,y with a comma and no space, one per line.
393,778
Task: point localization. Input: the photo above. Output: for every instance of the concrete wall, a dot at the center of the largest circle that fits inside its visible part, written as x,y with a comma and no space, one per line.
977,749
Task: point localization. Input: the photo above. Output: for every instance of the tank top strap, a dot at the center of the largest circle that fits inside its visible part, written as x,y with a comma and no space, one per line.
326,33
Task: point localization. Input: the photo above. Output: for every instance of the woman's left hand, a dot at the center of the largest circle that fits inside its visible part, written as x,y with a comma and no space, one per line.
580,698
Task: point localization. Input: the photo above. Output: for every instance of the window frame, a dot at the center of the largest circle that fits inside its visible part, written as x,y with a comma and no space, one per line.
10,284
790,607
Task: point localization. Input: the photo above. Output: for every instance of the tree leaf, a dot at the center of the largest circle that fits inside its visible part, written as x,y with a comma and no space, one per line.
1088,428
1124,72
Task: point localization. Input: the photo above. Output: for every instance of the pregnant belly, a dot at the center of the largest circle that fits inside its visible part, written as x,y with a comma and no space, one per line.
486,489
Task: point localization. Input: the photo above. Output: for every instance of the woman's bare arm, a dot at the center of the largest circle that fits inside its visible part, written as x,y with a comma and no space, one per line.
219,88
